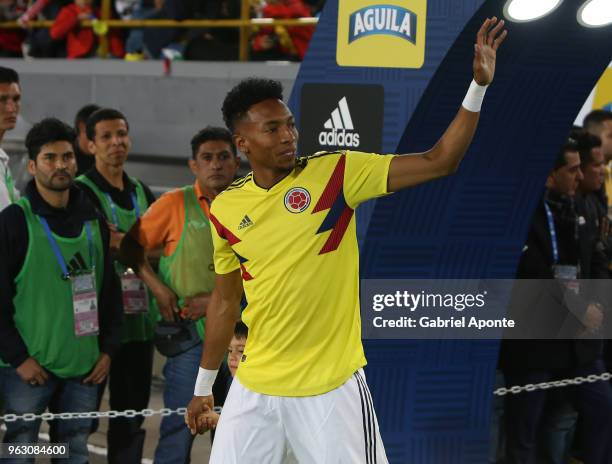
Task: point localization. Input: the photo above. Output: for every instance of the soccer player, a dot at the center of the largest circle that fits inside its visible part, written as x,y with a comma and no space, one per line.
286,234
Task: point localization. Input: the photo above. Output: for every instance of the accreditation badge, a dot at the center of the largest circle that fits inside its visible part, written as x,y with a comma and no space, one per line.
85,304
568,275
135,295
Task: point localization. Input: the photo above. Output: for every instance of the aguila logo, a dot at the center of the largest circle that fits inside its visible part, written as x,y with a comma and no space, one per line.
383,20
297,200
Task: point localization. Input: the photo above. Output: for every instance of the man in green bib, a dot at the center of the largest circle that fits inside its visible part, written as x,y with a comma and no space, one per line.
60,299
178,222
123,200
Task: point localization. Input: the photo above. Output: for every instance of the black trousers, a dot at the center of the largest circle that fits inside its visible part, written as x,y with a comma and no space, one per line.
129,388
523,412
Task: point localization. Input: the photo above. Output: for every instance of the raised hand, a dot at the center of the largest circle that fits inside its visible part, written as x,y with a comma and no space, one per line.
488,41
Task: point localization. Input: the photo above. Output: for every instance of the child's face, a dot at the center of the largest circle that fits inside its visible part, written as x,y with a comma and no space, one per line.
82,3
234,353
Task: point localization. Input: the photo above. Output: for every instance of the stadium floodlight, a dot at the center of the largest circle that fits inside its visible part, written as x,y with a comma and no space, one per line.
521,11
595,13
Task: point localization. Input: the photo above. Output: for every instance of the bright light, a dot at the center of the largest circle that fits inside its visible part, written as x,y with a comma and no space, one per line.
595,13
528,10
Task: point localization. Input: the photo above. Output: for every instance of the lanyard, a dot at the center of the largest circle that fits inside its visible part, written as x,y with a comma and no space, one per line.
58,253
10,186
553,233
114,207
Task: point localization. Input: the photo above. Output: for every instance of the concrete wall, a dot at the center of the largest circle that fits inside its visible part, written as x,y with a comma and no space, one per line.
164,112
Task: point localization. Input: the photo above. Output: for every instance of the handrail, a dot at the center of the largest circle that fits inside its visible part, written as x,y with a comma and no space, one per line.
169,23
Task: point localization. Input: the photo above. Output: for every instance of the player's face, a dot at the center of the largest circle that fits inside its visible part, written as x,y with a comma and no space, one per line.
234,354
111,143
268,136
593,173
10,103
215,165
565,179
55,166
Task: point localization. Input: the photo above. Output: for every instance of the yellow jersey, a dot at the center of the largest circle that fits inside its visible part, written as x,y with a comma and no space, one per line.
296,247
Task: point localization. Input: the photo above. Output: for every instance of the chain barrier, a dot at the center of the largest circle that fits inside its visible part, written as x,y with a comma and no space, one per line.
47,416
553,384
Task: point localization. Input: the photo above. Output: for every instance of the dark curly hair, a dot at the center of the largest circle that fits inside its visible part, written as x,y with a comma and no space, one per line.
49,130
247,93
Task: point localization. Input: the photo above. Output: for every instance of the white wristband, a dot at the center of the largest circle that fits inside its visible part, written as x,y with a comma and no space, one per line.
474,96
204,382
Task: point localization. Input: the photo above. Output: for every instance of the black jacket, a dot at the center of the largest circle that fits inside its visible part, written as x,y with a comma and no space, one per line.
593,251
542,301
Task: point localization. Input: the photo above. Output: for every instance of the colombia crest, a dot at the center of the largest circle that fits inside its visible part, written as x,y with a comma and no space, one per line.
297,200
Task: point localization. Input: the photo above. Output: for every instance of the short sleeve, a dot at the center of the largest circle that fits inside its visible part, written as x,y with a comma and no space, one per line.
365,176
225,259
162,224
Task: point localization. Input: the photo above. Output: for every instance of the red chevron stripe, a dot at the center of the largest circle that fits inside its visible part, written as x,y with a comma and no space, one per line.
334,239
333,187
245,273
223,231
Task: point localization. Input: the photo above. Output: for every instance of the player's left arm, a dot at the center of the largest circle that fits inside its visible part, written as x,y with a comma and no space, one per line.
444,158
222,314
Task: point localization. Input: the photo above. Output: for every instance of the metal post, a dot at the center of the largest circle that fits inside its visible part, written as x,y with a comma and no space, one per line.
245,31
105,15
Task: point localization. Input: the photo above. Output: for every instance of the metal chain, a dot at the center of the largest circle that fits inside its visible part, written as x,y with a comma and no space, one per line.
181,411
97,414
553,384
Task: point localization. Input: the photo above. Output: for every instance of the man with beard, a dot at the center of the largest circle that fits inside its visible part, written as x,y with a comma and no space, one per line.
123,200
60,302
10,102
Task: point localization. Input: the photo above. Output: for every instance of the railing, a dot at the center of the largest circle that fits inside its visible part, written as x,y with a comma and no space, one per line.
245,23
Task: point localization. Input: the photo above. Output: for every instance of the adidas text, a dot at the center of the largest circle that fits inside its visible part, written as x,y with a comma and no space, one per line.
339,138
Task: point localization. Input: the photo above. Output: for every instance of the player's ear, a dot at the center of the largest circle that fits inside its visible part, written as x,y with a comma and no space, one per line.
241,143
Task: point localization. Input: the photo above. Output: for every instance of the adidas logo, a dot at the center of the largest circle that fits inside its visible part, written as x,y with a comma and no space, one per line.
338,125
246,222
77,264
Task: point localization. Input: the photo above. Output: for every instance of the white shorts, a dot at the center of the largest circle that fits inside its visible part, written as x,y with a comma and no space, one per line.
339,426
